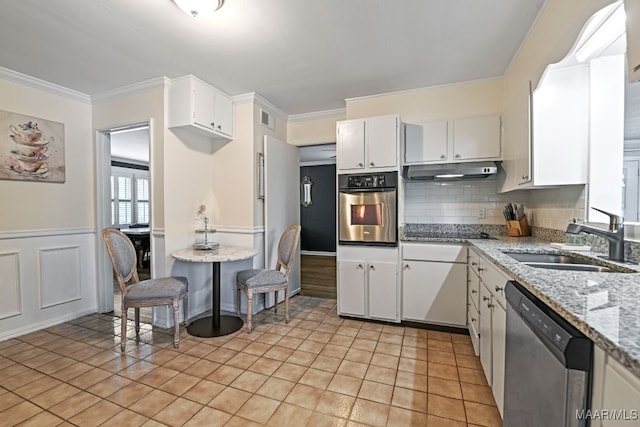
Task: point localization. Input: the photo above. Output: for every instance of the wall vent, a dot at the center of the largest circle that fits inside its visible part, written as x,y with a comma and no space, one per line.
267,120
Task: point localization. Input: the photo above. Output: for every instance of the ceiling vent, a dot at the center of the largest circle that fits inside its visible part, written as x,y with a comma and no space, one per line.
267,120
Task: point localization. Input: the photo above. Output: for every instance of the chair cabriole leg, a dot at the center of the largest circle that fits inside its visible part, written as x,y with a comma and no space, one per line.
123,327
176,323
286,305
249,308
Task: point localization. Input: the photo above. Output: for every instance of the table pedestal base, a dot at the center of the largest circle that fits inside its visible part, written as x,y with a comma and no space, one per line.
204,327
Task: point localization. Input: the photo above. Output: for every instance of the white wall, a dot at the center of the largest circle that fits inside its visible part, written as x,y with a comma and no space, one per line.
47,230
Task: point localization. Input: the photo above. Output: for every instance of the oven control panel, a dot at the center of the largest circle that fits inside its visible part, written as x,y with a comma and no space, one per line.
372,180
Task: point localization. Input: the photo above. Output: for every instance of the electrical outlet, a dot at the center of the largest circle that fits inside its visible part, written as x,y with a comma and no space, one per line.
482,213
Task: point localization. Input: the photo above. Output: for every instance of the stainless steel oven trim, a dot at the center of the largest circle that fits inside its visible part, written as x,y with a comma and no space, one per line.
368,234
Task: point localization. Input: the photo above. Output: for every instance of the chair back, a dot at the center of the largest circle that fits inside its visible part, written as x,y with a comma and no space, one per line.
123,257
287,248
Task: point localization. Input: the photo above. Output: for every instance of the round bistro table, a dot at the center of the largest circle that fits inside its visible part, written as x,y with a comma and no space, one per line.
215,325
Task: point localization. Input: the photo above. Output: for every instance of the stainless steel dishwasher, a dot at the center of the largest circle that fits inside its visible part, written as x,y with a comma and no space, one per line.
548,365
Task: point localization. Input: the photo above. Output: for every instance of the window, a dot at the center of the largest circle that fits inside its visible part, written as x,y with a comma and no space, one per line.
129,196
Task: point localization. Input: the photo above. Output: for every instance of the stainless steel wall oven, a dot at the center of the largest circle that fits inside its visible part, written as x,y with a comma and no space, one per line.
368,209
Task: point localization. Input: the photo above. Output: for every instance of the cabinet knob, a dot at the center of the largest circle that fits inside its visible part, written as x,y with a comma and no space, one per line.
372,164
499,289
360,164
407,267
442,156
457,156
525,177
473,291
489,305
360,266
213,124
219,127
473,319
474,264
485,298
371,267
480,269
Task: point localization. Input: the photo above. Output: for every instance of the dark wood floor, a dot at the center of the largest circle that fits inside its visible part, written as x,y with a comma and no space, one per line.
318,276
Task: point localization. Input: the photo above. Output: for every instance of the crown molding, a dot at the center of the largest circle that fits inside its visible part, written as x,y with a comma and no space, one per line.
325,114
46,86
420,89
255,98
143,86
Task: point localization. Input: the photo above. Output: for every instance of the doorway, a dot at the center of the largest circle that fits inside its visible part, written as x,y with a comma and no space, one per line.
318,220
124,202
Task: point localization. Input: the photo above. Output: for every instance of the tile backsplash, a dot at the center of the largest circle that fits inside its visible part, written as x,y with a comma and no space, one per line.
459,202
465,202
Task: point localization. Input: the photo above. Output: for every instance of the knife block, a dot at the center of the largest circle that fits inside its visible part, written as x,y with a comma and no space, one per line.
518,228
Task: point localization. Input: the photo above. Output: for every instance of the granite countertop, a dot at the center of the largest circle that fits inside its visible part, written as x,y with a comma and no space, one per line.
603,306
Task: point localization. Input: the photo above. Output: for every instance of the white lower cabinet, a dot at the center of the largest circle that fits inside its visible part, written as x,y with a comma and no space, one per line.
352,279
486,350
488,320
368,283
615,393
433,283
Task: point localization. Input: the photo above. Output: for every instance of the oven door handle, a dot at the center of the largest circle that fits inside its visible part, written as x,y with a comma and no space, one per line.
366,190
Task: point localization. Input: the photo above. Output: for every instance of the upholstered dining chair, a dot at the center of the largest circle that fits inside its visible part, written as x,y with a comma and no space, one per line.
256,281
147,293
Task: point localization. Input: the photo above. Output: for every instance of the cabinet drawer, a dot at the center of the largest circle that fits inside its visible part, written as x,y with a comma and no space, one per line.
495,280
474,261
474,289
435,252
472,322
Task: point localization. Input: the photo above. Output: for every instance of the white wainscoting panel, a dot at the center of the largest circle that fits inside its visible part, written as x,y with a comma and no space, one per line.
51,278
10,273
60,273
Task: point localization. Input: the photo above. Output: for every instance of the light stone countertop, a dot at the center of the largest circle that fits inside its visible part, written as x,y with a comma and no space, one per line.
222,254
603,306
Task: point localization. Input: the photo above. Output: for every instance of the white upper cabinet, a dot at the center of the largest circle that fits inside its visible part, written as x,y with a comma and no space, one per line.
476,138
547,131
200,108
426,142
632,10
452,141
368,144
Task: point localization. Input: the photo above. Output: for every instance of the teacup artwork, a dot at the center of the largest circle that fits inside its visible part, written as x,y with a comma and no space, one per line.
31,149
26,133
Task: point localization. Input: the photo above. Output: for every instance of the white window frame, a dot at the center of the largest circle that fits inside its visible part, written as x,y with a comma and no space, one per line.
134,175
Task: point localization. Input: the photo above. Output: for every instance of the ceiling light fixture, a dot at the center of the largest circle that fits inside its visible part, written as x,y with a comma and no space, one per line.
198,8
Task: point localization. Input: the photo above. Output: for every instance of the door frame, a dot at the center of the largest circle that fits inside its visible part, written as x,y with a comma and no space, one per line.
104,269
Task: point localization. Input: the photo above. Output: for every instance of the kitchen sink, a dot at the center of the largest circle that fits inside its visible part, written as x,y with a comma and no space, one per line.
566,262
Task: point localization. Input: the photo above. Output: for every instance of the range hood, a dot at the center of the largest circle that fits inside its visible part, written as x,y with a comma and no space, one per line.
451,172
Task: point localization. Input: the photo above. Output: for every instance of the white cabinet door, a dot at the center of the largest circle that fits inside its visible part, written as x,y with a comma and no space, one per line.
203,104
517,131
383,290
434,292
426,142
632,10
223,113
498,336
381,141
350,145
486,349
351,287
621,393
476,138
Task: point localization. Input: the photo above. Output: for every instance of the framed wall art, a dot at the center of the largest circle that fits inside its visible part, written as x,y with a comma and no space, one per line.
31,148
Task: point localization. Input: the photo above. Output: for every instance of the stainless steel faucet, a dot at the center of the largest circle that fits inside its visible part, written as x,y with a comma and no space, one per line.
615,234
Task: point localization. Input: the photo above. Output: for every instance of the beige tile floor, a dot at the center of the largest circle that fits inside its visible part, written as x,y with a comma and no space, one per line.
318,370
